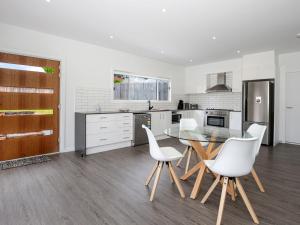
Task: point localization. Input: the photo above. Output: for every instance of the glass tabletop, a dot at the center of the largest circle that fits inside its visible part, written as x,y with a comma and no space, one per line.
205,134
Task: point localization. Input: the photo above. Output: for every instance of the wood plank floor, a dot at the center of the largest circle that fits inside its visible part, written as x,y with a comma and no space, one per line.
108,188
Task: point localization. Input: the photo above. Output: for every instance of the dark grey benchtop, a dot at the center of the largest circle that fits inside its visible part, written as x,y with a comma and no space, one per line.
143,111
130,111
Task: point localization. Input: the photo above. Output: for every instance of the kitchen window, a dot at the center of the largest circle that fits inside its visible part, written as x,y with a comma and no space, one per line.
135,87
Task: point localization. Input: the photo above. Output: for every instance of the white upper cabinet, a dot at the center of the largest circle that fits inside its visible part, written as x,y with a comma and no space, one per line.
259,66
196,76
195,82
237,80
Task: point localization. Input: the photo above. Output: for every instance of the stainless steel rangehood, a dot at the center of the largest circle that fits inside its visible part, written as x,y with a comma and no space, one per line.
219,82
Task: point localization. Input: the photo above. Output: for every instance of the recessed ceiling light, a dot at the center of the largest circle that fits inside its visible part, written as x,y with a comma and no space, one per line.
238,51
164,10
162,52
48,0
191,60
111,36
298,35
214,37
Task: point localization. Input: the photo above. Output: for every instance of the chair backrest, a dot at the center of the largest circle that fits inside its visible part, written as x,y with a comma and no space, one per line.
188,124
236,158
153,146
256,130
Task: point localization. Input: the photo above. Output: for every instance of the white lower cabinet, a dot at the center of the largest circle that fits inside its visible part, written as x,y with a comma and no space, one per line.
235,120
108,129
198,115
184,114
160,121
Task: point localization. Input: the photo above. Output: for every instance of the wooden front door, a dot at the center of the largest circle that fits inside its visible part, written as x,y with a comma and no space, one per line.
29,106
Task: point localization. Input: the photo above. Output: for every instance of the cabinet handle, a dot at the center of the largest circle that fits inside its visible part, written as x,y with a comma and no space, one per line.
103,139
125,137
103,117
125,116
125,123
103,127
125,130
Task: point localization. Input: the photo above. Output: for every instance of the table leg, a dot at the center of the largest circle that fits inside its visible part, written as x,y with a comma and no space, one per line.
190,172
197,184
203,154
210,154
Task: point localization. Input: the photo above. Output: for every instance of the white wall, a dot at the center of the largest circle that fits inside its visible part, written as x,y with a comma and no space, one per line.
289,62
82,65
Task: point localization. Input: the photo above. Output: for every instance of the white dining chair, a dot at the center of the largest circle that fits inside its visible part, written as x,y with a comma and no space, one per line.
188,124
235,159
256,130
162,155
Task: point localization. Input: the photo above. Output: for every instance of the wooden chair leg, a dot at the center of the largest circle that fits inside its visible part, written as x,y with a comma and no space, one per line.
177,182
231,185
188,160
170,175
183,155
234,188
211,189
222,201
246,201
257,180
158,173
151,174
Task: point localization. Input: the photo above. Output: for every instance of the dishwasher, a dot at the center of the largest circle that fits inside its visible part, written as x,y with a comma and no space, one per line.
140,135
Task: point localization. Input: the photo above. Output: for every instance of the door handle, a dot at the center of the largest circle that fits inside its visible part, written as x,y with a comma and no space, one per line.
289,107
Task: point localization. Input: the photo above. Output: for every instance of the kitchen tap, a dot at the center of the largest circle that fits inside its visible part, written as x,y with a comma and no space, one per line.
149,105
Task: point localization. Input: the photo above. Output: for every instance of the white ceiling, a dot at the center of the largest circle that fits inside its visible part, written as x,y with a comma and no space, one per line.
183,32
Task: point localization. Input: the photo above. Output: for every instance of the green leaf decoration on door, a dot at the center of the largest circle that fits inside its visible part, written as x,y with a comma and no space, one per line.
49,70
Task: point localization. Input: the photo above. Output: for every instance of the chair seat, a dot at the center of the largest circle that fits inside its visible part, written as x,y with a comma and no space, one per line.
233,173
169,154
187,143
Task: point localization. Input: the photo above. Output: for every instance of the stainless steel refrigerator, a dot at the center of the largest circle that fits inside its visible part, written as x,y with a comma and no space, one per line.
258,106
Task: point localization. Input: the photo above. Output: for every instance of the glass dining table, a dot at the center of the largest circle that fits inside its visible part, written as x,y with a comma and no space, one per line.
213,138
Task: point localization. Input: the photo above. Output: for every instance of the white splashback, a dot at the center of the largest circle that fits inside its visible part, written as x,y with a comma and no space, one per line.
224,100
88,99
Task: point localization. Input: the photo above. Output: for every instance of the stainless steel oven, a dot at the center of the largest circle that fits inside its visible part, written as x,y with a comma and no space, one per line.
176,117
217,118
